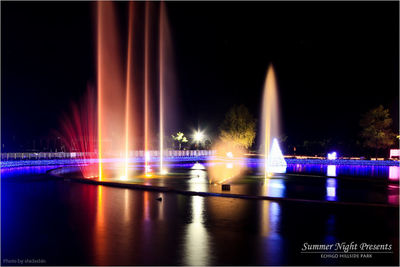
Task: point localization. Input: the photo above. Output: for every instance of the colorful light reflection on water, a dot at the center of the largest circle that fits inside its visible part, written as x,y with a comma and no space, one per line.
331,189
394,172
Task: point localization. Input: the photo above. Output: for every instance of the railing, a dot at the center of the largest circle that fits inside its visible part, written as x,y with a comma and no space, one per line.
77,155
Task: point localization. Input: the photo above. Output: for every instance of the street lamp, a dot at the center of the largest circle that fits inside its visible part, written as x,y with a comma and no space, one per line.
198,136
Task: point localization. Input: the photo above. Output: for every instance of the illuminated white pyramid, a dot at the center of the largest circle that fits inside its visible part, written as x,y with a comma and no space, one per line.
276,162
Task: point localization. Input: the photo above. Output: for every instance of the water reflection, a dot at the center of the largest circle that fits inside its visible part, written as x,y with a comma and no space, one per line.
106,226
269,230
330,237
265,211
119,215
274,218
146,211
270,214
331,189
196,240
197,177
273,188
99,229
161,211
126,206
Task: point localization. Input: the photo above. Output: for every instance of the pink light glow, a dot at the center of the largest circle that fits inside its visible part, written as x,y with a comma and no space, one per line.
394,173
79,131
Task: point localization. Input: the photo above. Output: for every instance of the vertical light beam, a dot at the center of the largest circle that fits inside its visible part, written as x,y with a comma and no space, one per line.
111,92
267,144
128,91
270,121
99,89
269,95
146,86
161,93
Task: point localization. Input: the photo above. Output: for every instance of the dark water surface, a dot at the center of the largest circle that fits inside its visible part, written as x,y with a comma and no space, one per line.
68,223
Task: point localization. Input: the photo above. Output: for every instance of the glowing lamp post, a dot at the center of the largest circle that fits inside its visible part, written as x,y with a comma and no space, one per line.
198,137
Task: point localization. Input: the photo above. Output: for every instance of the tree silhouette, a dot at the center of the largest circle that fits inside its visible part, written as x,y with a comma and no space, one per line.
376,129
238,127
180,138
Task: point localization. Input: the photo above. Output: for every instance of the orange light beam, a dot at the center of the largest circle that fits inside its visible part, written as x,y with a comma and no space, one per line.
270,81
128,91
99,88
146,85
161,62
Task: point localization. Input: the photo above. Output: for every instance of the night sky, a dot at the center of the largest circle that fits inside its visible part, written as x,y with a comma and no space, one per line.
334,61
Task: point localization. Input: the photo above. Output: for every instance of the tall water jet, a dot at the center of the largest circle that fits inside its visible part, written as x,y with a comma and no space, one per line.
149,84
99,95
270,126
111,92
167,85
146,89
161,92
128,135
118,95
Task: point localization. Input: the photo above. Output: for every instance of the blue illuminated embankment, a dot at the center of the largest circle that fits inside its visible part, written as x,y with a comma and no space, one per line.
332,168
67,162
332,162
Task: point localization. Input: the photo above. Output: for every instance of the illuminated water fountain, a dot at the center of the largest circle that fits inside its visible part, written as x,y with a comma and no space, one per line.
133,76
167,97
126,103
274,161
110,92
